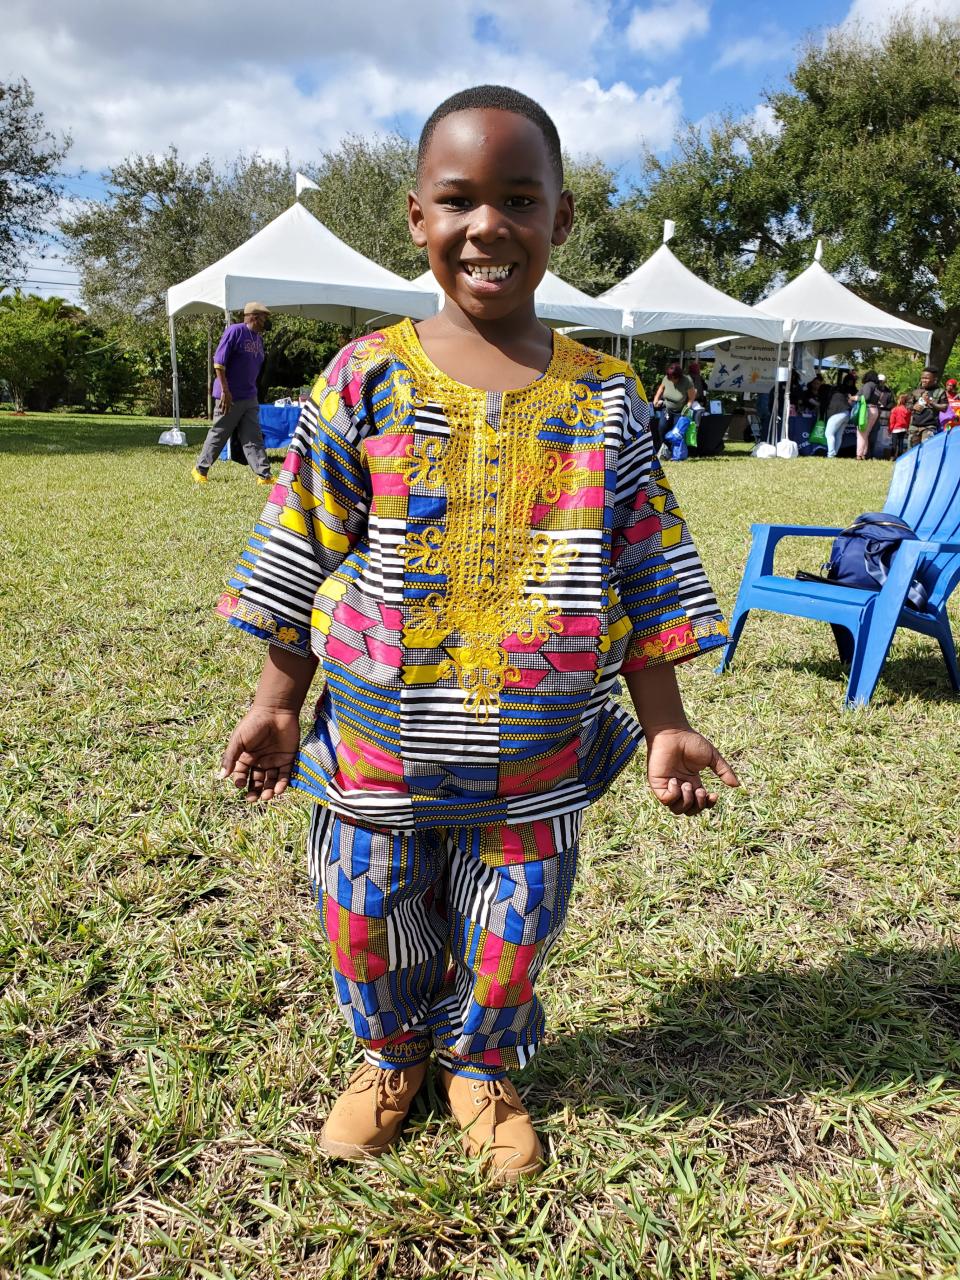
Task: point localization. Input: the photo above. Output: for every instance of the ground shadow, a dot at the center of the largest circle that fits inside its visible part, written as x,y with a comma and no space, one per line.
905,676
57,440
868,1021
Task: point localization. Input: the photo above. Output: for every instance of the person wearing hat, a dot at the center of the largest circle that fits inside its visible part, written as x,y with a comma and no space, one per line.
237,363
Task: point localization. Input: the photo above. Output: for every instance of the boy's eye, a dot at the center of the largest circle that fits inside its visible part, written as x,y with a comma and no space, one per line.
519,202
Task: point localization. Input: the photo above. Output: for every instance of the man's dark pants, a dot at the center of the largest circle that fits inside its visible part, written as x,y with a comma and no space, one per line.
243,419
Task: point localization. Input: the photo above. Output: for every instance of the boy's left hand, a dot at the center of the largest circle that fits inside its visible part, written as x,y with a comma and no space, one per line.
675,758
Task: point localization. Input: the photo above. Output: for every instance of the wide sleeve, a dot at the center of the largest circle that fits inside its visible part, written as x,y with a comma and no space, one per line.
656,569
317,511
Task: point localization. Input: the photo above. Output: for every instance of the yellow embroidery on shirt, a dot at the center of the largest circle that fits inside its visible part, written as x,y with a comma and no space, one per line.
492,475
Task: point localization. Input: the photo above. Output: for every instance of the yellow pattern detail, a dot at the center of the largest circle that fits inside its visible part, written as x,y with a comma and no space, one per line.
291,519
492,479
670,536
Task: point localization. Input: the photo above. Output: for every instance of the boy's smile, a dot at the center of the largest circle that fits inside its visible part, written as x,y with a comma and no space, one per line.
488,208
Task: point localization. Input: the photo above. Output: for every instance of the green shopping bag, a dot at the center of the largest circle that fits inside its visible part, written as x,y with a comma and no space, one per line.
692,433
818,433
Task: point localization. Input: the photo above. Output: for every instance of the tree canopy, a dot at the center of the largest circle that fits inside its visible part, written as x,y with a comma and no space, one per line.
861,149
30,157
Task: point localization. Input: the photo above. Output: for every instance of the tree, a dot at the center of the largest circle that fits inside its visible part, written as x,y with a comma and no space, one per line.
31,344
602,247
862,150
871,135
29,189
362,198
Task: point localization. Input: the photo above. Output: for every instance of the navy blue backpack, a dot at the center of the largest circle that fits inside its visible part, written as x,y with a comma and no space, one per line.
861,556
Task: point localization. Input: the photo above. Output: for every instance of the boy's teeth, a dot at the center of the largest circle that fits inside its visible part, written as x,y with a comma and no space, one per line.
489,273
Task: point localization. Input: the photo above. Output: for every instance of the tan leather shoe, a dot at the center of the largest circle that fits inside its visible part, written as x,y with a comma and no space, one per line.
366,1119
495,1124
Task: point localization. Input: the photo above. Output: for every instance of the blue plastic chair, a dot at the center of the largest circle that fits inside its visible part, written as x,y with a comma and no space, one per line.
925,491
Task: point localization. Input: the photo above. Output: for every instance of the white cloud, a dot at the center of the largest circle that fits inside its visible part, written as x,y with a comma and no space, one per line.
763,119
222,78
664,27
771,45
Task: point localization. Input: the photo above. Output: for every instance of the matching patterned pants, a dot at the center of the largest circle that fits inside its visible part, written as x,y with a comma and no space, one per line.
437,937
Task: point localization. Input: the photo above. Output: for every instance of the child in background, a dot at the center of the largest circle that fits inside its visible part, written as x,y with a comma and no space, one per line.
900,424
952,417
472,534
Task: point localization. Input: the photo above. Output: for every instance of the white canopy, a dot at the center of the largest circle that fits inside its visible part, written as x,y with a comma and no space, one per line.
666,303
558,303
826,312
295,264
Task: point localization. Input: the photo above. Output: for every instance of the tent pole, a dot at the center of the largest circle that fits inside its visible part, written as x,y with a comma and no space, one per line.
785,419
173,370
209,369
771,427
353,321
630,349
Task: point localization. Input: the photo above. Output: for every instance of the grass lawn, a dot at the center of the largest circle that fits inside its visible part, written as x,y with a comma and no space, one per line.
753,1066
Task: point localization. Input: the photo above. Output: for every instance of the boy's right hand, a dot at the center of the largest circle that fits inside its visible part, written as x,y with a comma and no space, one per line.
261,751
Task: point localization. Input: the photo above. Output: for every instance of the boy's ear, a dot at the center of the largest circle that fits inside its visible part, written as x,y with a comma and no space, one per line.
418,231
563,218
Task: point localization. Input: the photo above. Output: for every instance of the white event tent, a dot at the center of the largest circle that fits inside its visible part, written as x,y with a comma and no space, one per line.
557,303
664,302
823,311
294,264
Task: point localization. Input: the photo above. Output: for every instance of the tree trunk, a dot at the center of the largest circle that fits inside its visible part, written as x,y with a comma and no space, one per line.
943,342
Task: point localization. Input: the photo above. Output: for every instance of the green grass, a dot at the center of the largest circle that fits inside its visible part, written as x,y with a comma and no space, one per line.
753,1067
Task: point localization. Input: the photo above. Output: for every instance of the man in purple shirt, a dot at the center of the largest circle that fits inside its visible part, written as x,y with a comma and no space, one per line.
238,361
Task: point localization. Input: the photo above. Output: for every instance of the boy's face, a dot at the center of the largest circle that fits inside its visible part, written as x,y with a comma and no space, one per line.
488,208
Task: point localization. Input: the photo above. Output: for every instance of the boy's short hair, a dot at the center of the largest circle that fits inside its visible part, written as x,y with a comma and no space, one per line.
494,97
930,369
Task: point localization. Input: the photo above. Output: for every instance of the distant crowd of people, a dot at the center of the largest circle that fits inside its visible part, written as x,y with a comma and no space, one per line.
885,423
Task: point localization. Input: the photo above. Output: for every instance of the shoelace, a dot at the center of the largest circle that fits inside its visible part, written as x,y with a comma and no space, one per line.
388,1084
490,1092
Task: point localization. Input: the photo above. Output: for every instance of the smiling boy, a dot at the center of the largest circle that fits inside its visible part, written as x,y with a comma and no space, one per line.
473,536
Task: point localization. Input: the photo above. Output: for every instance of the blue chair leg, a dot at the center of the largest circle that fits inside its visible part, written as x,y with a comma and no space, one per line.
871,646
949,651
736,631
844,641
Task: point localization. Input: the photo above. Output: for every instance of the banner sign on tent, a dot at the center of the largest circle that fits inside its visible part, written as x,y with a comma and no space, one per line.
743,365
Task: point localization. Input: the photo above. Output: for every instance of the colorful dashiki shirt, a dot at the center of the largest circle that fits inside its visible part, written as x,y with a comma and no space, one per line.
474,569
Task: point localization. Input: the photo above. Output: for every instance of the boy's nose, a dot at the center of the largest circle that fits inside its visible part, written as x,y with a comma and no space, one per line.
487,223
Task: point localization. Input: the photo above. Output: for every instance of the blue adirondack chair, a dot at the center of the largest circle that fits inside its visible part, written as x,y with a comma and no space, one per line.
925,491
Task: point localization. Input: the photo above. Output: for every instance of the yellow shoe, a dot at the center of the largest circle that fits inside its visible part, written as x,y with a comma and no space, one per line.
264,479
495,1125
368,1115
199,477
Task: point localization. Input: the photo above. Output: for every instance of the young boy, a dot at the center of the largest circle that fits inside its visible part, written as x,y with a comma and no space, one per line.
472,534
899,424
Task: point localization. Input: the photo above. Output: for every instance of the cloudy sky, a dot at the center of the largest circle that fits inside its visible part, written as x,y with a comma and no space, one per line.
296,75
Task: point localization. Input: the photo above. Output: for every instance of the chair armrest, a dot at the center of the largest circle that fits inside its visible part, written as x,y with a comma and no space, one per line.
766,537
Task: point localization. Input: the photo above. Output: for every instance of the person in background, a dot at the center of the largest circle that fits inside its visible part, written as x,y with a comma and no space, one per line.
849,382
880,444
899,425
810,395
837,413
929,401
237,362
696,377
953,406
674,394
868,392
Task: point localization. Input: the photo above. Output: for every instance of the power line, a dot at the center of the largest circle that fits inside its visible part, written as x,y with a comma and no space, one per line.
53,271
